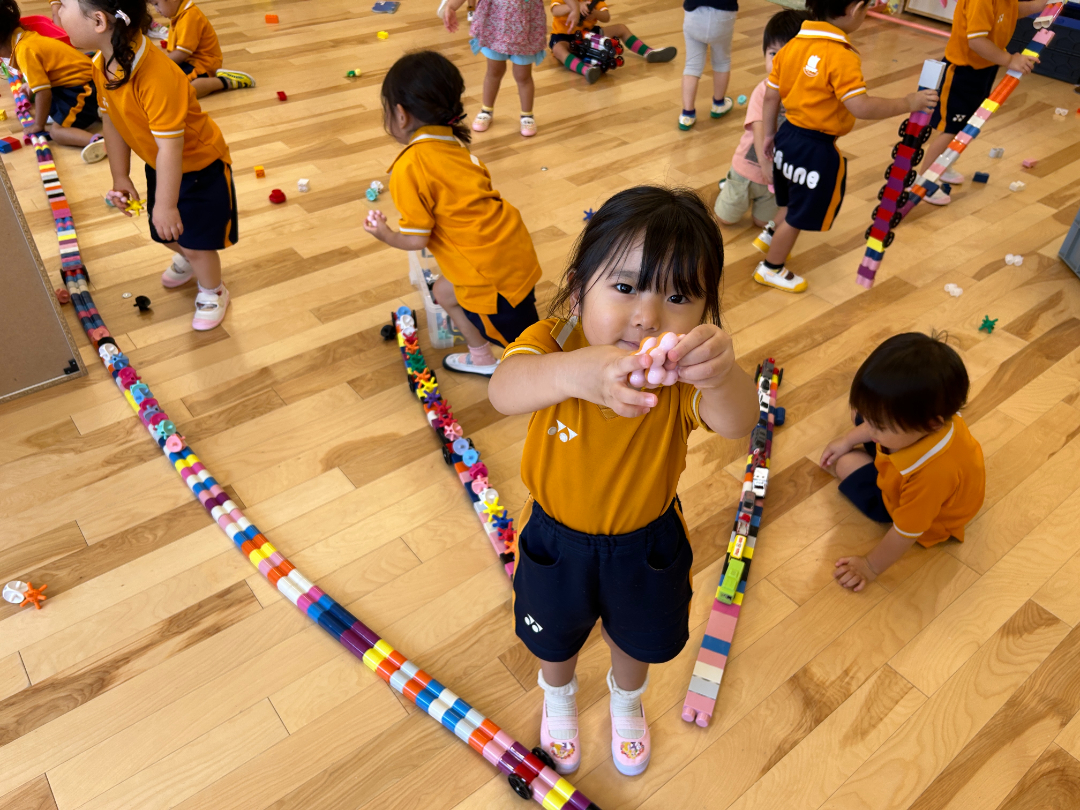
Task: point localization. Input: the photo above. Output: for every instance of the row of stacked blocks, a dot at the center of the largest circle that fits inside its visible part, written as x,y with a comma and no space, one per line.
531,774
458,451
700,701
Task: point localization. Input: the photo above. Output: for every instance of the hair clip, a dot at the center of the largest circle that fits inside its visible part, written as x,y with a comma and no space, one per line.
120,15
456,120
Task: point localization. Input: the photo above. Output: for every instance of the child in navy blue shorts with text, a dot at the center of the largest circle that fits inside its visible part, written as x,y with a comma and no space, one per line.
818,77
602,536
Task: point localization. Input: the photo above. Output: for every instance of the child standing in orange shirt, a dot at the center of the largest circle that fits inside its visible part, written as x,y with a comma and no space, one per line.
920,470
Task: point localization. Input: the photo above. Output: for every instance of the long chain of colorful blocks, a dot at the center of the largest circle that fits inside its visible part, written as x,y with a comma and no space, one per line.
458,451
530,773
22,98
700,701
914,132
926,184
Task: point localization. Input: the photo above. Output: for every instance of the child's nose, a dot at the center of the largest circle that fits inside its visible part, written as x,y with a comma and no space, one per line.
647,314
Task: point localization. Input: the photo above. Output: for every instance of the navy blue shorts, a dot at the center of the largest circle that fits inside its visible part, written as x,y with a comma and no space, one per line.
207,207
963,90
810,177
637,584
187,67
861,487
74,106
508,322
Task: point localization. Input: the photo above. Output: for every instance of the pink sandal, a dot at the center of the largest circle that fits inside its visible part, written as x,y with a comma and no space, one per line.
565,753
631,756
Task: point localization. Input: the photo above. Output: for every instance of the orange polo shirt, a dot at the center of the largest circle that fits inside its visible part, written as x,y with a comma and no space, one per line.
934,488
816,72
972,19
592,470
158,101
192,33
558,24
46,62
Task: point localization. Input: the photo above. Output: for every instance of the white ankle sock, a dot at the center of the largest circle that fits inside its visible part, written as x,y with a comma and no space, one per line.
482,355
626,704
560,702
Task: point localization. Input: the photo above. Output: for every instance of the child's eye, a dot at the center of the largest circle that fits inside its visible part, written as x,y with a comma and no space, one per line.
678,299
624,288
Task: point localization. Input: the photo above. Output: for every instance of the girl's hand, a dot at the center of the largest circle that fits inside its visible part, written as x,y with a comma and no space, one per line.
704,356
606,381
375,224
833,451
123,192
450,18
854,573
167,222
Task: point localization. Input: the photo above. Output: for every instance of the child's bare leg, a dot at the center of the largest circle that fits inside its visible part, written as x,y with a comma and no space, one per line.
628,672
720,84
782,242
70,136
492,80
560,51
559,673
443,292
526,88
617,30
207,85
689,91
207,265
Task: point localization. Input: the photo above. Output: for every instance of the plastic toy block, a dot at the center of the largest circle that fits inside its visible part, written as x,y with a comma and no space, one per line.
142,302
963,137
980,177
730,583
13,143
277,196
353,74
281,95
303,185
1017,185
988,325
371,194
954,290
272,19
1029,164
383,35
997,152
62,295
15,591
1062,111
260,171
1014,260
3,115
740,100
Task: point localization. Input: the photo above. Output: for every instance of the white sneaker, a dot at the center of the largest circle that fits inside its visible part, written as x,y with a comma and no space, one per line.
464,363
687,121
763,241
209,309
779,279
939,197
94,152
952,178
178,274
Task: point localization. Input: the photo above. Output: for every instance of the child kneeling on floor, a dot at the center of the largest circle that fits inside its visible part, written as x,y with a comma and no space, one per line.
919,468
602,535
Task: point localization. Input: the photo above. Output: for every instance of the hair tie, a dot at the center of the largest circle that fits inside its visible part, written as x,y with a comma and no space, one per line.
457,119
120,15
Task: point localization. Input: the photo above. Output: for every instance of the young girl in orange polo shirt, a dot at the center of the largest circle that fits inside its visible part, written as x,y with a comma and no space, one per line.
149,107
446,202
602,536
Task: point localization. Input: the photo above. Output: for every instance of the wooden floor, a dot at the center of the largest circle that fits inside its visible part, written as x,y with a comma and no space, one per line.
163,672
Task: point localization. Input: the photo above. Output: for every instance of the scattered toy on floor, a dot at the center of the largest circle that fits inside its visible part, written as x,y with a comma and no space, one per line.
741,100
1014,260
260,171
1029,163
281,95
980,177
954,290
374,190
383,35
303,184
143,303
1061,111
24,593
277,196
353,74
63,296
271,19
1017,185
988,325
997,152
588,215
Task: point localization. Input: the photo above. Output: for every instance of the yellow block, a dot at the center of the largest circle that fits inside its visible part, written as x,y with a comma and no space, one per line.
875,244
563,788
992,106
738,599
372,659
384,648
1029,52
554,800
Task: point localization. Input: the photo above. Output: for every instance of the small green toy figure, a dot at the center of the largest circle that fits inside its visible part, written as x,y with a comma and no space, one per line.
988,325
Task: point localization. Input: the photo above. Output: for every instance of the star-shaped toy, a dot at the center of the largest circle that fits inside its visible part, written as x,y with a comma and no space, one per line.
589,215
988,325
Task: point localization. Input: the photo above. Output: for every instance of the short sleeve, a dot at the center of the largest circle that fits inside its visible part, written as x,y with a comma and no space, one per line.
409,188
922,495
774,76
184,34
689,407
32,67
164,97
536,339
755,107
102,96
979,15
847,79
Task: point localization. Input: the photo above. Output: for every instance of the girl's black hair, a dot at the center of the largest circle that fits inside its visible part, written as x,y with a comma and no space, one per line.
122,32
825,10
682,248
9,19
782,27
909,382
429,88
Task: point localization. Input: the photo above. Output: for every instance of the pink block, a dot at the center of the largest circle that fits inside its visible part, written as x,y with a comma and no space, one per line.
264,567
963,137
863,281
871,264
303,603
730,610
982,113
504,740
492,752
204,496
939,167
1044,36
315,593
721,626
700,703
713,659
224,521
1028,164
276,559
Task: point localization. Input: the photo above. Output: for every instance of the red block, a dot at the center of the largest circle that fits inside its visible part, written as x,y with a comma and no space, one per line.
281,95
277,196
14,143
904,152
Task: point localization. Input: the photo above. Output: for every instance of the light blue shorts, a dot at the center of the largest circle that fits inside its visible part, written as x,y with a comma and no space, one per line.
497,56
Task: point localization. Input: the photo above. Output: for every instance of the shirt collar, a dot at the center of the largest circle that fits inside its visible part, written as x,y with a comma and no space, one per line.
429,133
815,29
912,458
140,50
182,9
569,334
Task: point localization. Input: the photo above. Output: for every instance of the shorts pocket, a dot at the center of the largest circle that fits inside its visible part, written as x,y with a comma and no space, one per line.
662,553
539,549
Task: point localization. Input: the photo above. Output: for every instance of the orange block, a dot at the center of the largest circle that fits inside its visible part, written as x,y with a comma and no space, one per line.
1004,88
271,19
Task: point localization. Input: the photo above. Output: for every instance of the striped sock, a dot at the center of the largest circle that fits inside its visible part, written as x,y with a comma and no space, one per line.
575,64
637,46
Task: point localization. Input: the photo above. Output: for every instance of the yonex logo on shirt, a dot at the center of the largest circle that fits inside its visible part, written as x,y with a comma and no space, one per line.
811,68
565,433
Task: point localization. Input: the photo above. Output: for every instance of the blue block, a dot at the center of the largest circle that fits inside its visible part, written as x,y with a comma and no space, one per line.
716,645
980,177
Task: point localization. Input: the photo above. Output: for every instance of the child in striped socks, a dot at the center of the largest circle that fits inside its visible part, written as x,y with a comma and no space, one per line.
571,16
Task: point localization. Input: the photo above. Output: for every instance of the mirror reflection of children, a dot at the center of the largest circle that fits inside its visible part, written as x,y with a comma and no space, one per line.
570,16
504,31
193,44
447,204
910,460
602,535
60,80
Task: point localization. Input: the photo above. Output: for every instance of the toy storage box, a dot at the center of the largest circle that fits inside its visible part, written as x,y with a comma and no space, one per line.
423,270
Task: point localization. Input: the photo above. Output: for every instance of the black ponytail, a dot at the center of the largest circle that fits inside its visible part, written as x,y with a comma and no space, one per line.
127,17
9,19
429,88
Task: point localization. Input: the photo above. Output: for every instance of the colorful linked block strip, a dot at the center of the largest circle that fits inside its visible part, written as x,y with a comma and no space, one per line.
925,184
914,132
531,773
700,701
458,451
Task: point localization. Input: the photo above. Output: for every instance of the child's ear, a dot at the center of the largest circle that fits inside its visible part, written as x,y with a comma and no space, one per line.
856,8
401,117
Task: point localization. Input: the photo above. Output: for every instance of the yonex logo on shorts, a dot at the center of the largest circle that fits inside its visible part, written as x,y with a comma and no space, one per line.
533,623
959,117
796,174
811,68
565,433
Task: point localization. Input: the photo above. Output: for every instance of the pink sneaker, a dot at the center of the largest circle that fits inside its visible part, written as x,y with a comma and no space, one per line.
528,126
565,753
631,756
482,121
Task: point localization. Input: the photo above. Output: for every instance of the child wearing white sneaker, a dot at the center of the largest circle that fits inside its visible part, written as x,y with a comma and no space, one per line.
707,25
147,105
602,535
193,44
447,204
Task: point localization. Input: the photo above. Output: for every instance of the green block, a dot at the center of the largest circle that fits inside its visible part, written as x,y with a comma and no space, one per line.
730,583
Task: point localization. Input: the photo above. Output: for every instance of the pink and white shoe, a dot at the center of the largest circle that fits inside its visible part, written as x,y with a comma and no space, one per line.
565,753
210,309
180,272
631,756
528,126
482,121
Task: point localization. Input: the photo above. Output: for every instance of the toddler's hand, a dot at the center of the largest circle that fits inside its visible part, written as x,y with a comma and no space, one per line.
833,451
1022,64
450,18
609,384
922,101
35,128
375,224
853,573
574,17
768,147
167,222
704,356
123,192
